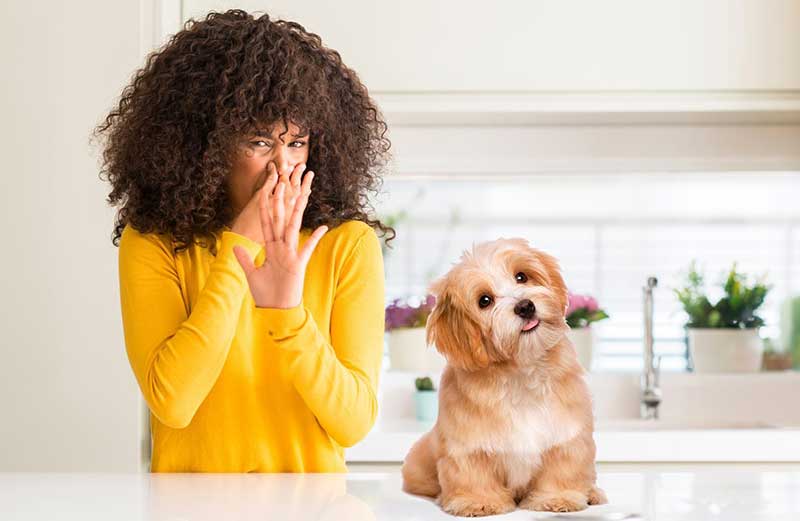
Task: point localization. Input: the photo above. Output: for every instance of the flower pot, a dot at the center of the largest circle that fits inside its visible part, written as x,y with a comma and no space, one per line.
427,405
583,340
409,351
725,350
777,362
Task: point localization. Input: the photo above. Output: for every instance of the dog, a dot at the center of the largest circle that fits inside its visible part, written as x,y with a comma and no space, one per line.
515,417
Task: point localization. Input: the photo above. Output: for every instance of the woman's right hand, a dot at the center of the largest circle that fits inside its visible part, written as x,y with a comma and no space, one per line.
248,222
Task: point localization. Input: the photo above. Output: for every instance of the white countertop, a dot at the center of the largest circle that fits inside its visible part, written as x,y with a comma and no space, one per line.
698,492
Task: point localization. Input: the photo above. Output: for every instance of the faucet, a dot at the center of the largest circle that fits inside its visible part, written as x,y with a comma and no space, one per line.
651,392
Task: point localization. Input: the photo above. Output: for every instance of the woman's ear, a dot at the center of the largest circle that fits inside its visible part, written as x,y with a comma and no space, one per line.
454,333
557,285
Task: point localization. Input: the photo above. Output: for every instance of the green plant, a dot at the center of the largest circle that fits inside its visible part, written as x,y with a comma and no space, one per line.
424,384
771,346
790,328
391,219
735,309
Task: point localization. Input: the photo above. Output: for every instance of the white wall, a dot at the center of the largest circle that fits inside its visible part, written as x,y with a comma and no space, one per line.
553,45
67,396
576,86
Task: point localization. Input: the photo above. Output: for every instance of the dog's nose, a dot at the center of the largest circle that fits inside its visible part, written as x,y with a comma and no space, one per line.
525,308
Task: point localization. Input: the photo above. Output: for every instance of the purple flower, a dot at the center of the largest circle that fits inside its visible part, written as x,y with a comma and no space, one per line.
575,302
582,310
399,314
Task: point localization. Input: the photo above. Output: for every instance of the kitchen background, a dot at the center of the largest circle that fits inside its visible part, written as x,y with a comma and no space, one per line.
626,138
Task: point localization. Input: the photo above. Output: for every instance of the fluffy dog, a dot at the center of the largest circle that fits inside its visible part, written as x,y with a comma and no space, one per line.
515,414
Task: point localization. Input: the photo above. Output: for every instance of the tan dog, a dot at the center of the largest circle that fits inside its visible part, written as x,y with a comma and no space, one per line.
515,415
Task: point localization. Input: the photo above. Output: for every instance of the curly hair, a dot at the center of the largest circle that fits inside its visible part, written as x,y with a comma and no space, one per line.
172,138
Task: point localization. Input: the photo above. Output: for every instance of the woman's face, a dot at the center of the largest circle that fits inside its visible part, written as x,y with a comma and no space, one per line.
256,152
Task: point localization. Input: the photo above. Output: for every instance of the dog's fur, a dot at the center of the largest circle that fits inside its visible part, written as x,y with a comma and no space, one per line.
515,415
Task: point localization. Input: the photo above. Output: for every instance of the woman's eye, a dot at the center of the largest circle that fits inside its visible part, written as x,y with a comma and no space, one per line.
484,301
294,144
521,277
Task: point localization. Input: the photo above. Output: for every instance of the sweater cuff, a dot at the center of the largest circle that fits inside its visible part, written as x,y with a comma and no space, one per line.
281,323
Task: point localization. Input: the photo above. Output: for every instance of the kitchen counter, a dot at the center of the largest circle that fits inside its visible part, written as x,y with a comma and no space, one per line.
626,441
706,417
656,492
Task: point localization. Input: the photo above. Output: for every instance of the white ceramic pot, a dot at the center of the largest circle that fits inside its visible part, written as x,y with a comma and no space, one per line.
583,340
409,351
725,350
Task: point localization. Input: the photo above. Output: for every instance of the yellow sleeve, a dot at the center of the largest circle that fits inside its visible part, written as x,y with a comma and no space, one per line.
177,356
338,382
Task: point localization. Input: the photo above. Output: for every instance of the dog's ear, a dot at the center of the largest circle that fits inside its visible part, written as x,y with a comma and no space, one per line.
454,333
557,284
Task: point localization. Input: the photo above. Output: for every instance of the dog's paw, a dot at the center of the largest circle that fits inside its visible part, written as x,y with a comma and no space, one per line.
474,507
597,496
564,501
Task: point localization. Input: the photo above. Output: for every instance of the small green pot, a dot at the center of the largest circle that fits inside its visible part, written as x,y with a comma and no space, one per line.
427,405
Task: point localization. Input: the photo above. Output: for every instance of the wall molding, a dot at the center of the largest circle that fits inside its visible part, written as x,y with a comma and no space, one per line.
158,20
486,151
590,108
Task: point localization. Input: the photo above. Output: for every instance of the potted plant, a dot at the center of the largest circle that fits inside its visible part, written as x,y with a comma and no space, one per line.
582,311
790,328
775,359
723,337
408,348
426,399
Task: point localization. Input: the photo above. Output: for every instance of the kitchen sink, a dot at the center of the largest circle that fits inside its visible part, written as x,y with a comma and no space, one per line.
636,424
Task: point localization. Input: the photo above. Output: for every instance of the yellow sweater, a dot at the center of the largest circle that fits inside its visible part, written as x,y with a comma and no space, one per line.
236,388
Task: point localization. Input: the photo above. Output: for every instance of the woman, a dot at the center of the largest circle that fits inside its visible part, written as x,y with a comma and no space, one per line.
256,342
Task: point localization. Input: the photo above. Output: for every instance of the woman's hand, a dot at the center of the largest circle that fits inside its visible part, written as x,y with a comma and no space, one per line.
248,222
292,179
278,283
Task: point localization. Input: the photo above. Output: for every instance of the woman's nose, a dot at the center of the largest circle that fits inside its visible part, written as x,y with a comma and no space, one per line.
282,161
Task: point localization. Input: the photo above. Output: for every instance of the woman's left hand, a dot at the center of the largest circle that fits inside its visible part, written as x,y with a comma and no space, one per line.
278,283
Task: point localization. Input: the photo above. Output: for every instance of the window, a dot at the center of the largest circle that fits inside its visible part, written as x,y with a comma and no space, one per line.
610,232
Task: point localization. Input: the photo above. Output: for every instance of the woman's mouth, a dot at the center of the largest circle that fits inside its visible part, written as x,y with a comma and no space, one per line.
530,325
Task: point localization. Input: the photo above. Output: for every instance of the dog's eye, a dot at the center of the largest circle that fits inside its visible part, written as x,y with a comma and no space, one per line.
484,301
521,277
